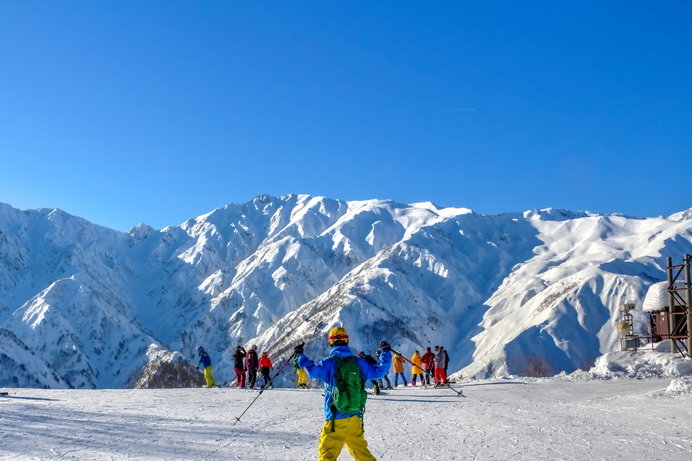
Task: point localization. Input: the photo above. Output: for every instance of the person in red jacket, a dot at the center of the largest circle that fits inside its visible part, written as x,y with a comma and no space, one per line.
265,365
428,364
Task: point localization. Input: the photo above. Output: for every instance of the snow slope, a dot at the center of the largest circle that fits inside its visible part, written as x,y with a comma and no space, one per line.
81,305
524,419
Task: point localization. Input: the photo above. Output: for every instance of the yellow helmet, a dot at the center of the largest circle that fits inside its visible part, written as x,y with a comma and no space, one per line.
338,337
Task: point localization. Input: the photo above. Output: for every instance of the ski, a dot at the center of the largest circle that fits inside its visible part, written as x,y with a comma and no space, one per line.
448,385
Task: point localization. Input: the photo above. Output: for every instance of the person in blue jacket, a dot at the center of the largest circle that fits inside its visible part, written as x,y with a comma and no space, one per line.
205,361
342,428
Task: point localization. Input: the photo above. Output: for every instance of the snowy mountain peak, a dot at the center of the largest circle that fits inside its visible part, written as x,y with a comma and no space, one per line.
556,214
448,212
141,231
682,215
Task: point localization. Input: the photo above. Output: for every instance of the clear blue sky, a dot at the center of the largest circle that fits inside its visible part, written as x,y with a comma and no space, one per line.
158,111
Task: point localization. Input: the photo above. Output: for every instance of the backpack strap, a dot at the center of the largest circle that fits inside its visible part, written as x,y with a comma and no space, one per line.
332,407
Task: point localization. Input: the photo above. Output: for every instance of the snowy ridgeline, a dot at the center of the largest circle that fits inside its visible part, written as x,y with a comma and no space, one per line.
598,415
534,293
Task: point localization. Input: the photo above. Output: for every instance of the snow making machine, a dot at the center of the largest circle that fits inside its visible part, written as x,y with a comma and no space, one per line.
625,327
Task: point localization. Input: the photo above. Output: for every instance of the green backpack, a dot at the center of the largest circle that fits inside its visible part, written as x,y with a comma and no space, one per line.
349,389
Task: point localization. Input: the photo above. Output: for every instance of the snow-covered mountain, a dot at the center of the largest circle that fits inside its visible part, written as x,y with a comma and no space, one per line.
85,306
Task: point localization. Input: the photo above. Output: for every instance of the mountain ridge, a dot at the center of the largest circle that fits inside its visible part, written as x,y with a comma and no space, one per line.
494,289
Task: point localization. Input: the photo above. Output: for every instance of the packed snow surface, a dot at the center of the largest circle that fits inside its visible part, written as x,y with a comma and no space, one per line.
565,418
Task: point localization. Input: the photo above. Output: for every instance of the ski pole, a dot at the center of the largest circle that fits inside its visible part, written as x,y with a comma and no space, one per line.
271,379
461,393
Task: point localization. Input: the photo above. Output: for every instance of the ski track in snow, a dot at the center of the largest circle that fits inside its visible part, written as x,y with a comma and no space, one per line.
545,419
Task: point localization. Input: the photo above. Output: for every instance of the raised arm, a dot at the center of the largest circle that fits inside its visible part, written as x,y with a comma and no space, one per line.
376,371
322,370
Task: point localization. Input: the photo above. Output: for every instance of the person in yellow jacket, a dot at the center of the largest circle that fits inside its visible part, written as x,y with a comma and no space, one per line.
417,371
398,363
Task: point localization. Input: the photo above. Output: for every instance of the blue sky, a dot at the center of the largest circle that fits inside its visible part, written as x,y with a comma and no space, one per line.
158,111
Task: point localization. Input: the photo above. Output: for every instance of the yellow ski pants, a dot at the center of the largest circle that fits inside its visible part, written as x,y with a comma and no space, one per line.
302,376
347,431
208,377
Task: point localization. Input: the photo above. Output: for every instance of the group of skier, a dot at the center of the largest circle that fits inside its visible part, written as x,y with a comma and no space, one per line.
247,363
431,364
243,362
423,368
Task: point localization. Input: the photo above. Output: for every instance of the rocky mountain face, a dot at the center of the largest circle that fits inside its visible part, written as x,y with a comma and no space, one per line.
88,307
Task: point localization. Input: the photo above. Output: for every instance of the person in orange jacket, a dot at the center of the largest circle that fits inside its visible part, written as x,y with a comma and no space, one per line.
398,363
265,365
417,371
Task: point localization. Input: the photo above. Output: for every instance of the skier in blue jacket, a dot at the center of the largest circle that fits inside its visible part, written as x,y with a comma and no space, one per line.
205,361
342,428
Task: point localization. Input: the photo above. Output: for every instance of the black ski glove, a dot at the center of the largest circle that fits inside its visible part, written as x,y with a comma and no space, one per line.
384,346
299,349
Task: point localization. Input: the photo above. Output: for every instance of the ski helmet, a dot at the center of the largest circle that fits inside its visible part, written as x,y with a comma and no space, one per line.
338,337
200,349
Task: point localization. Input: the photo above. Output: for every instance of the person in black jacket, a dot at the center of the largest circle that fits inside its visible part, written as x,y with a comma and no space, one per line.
239,365
370,359
251,364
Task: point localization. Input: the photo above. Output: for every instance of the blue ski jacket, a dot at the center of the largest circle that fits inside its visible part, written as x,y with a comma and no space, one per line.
204,359
325,369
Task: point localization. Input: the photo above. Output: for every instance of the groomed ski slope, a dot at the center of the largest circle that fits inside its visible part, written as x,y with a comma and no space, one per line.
561,418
